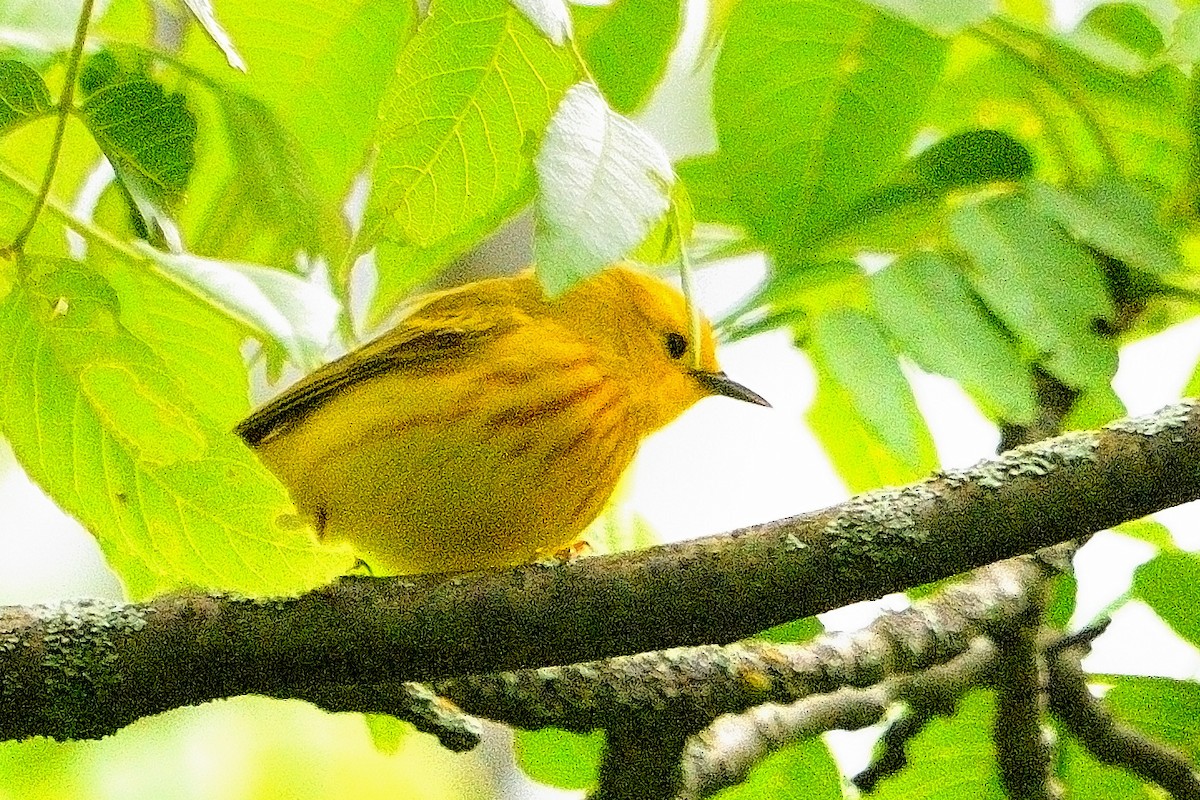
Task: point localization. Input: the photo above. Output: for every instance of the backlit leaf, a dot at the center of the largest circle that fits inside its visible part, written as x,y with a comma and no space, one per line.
865,414
473,93
1121,35
626,45
97,421
147,134
559,758
298,125
1115,218
1170,584
298,315
801,771
951,758
940,17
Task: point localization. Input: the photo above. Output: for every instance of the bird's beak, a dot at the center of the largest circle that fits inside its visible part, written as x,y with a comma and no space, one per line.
720,383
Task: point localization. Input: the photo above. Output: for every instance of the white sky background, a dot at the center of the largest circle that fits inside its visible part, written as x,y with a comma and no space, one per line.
727,464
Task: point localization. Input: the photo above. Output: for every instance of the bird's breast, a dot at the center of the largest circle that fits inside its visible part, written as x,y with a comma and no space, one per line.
462,471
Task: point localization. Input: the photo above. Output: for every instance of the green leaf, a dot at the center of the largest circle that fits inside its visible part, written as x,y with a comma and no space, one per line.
1041,284
1114,217
712,198
1121,35
203,11
970,158
198,344
626,46
940,17
23,94
1080,118
559,758
1085,778
795,293
927,304
803,771
1031,12
603,186
800,630
661,246
473,92
1170,584
1192,389
96,420
299,124
1166,710
1185,37
865,414
815,102
1060,606
618,531
1095,406
951,758
147,135
905,213
387,732
1109,120
1149,531
24,152
719,13
296,314
269,195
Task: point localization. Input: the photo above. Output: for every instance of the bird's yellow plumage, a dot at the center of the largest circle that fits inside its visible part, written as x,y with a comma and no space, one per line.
491,425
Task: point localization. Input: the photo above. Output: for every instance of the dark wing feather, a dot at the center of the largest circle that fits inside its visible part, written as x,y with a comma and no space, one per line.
446,328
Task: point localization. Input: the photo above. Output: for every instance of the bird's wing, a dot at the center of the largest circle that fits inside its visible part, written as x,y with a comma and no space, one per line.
448,327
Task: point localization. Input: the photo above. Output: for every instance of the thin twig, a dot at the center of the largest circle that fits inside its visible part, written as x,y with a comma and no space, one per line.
1110,741
724,754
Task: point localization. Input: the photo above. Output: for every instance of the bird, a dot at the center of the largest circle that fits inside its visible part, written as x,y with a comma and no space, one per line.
491,425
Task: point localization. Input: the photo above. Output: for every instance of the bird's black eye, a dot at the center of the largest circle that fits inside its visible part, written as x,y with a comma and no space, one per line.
676,344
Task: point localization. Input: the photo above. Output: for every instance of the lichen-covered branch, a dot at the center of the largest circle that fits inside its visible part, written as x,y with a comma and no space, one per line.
85,670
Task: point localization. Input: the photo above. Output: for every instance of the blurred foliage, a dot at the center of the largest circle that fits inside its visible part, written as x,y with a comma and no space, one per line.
955,184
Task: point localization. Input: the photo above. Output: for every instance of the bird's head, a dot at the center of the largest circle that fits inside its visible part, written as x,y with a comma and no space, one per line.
643,324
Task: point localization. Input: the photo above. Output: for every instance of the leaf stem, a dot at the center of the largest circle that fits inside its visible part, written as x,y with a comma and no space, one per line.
64,111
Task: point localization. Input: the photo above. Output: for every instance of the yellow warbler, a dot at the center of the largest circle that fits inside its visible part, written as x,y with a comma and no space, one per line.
491,425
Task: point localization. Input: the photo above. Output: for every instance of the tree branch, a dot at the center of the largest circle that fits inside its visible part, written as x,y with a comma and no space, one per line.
1022,753
640,763
688,688
87,669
